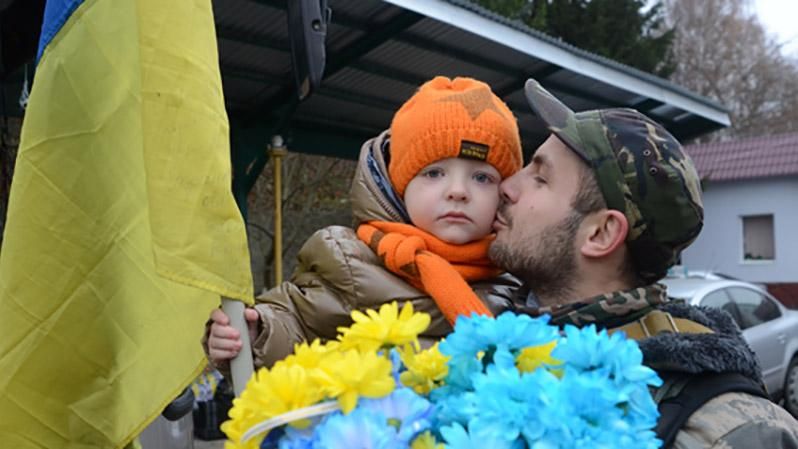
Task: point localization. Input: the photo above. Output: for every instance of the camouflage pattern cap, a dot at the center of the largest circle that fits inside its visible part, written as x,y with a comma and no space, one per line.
641,171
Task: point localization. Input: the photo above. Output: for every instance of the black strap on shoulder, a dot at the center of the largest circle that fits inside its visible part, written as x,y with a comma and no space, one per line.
676,410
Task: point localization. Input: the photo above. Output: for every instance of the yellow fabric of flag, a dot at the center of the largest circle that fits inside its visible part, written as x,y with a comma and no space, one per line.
122,231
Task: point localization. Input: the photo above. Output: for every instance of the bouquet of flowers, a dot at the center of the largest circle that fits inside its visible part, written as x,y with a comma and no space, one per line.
506,382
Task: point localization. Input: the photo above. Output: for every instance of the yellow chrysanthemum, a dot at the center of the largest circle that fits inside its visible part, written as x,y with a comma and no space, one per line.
533,357
268,394
251,444
386,328
425,370
425,441
310,355
348,375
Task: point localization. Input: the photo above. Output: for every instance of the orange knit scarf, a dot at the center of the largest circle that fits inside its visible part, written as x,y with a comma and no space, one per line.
441,269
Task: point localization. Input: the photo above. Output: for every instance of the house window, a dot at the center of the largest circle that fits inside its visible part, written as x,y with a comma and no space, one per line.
758,242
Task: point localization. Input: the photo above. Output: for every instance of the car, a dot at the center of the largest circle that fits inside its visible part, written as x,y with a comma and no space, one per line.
770,329
679,271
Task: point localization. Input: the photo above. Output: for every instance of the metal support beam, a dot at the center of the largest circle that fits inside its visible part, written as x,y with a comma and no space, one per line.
286,99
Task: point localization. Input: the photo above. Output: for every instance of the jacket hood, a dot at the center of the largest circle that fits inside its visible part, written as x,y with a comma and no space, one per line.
371,194
725,350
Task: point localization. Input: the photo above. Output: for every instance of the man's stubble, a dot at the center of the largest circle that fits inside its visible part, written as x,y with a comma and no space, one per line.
545,262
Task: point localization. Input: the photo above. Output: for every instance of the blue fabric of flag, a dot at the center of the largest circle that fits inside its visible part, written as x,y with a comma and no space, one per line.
56,13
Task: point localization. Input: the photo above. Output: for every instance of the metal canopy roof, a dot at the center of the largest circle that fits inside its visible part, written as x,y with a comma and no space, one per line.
380,51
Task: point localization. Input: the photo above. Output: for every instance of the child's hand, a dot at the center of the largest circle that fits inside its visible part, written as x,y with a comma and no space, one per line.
224,341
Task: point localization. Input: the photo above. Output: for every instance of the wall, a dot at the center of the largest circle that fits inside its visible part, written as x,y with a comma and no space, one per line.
719,247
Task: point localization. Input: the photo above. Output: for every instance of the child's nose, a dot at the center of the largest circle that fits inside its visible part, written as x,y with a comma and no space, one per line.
457,190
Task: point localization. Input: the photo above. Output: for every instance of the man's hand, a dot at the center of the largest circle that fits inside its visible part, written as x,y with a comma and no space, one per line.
224,341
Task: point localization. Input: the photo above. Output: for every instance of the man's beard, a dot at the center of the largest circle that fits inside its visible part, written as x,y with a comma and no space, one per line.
545,262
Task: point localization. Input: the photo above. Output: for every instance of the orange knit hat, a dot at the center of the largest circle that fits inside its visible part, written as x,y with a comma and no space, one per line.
452,118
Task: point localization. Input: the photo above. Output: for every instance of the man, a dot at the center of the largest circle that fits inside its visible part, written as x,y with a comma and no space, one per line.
591,224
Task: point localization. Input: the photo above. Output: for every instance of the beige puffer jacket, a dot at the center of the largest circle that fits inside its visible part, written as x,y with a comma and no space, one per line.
337,273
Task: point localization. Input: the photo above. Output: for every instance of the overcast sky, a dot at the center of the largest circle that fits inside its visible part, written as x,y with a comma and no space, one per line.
779,18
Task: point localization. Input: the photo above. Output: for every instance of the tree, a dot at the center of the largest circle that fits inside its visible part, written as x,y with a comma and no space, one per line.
628,31
724,52
9,141
315,194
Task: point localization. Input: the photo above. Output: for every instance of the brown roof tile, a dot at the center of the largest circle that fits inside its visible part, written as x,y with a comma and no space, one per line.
756,157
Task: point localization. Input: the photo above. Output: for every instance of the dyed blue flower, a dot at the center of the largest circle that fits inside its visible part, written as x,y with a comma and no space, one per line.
360,429
599,397
642,411
593,400
404,407
296,438
456,437
396,365
502,408
454,406
508,331
613,355
461,370
497,340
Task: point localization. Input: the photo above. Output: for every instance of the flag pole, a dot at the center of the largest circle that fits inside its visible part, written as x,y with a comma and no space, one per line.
241,366
278,151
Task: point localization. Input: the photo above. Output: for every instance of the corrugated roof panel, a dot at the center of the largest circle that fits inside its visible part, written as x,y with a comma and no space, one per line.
381,70
245,94
596,94
251,17
339,37
366,84
254,58
499,55
415,60
345,113
367,11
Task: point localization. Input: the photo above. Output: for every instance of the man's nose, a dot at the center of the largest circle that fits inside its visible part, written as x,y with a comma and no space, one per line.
508,190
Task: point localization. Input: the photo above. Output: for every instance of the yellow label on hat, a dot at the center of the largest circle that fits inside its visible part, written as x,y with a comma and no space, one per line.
473,150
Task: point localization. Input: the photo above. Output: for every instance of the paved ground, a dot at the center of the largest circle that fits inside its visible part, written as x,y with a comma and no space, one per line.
200,444
163,434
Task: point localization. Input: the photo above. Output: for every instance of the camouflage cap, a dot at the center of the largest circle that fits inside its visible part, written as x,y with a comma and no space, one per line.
641,171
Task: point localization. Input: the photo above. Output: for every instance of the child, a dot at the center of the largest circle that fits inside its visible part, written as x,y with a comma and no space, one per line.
424,196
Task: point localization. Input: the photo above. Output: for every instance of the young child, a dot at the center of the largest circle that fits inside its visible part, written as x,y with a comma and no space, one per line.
424,198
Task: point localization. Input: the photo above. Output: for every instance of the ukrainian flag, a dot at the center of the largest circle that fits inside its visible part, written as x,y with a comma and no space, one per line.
122,232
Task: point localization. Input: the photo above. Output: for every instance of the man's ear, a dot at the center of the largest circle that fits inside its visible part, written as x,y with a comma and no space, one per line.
604,232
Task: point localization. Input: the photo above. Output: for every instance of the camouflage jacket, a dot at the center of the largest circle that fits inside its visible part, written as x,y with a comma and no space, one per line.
730,420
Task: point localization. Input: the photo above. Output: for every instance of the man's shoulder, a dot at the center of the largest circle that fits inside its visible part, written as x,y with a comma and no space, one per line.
737,421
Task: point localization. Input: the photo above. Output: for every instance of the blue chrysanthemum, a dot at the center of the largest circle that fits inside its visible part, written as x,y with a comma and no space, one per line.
495,340
597,398
614,355
510,402
295,438
396,365
454,405
457,437
403,408
360,429
508,331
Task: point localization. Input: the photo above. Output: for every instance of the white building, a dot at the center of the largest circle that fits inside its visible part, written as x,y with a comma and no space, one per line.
750,212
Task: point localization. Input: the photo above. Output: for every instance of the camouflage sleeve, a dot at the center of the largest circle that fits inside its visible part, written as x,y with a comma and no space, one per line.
739,421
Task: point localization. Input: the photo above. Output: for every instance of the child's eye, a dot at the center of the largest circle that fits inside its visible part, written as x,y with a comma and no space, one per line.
433,173
483,178
540,180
